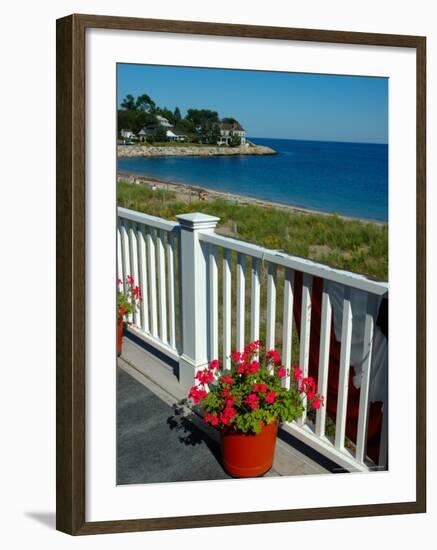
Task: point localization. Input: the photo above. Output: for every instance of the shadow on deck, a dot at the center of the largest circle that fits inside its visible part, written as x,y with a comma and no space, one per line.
159,439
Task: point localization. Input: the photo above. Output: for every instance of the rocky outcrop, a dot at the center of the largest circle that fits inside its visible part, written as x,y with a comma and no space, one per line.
126,151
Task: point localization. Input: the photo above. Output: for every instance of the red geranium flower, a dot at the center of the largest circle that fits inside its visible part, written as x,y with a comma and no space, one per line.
227,415
211,419
317,403
308,386
260,388
241,368
282,372
214,364
226,379
273,356
297,372
252,348
271,397
196,394
252,400
136,292
252,368
204,376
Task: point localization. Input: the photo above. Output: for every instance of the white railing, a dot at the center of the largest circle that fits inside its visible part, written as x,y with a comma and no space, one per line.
148,251
185,268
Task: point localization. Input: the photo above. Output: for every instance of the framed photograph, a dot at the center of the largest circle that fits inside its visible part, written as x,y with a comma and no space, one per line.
241,274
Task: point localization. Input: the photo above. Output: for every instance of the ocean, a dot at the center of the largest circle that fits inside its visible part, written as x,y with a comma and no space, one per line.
350,179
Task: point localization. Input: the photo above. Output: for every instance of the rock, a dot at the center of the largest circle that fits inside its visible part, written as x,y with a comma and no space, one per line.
126,151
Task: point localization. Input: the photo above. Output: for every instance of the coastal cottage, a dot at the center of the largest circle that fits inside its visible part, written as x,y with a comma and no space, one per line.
145,133
174,135
230,131
127,134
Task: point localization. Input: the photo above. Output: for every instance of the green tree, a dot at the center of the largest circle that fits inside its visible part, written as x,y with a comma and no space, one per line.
177,117
229,120
235,141
128,103
145,103
161,134
204,123
134,120
212,134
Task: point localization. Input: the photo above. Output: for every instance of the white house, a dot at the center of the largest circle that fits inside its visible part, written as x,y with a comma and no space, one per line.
174,135
229,130
162,121
127,134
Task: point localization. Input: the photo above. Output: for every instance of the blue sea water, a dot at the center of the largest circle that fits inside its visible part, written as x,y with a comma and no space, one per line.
347,178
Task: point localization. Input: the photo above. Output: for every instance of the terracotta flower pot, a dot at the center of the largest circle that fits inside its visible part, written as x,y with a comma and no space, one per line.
249,455
119,334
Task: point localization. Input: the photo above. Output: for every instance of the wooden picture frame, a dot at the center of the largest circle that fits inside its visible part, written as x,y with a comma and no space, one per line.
71,255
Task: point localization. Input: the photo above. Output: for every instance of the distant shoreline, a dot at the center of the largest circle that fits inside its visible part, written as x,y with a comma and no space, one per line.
185,191
134,151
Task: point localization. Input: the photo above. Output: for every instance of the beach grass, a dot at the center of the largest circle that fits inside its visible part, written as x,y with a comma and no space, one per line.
344,243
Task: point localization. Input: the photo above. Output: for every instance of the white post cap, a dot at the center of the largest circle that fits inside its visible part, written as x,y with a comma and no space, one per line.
197,220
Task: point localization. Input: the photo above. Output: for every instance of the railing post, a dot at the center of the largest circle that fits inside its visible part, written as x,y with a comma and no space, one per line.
194,294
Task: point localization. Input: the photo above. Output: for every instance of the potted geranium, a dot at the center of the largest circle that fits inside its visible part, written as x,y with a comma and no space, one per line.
247,402
127,303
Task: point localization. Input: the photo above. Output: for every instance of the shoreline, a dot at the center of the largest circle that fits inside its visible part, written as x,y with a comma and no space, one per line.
185,191
135,151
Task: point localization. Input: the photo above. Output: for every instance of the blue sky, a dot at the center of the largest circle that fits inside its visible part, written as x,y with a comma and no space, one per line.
270,104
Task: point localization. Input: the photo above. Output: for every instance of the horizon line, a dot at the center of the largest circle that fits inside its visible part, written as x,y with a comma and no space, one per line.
321,140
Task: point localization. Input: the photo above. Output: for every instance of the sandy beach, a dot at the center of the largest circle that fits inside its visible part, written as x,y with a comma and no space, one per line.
188,192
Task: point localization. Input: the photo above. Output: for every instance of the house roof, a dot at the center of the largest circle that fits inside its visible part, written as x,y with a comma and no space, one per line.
147,132
163,121
231,126
175,133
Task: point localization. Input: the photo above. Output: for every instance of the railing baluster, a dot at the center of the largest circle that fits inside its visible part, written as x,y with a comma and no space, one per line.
305,328
133,252
120,274
343,383
322,383
271,306
124,251
287,324
213,302
162,284
151,257
227,322
363,411
256,284
128,259
142,259
171,289
241,300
